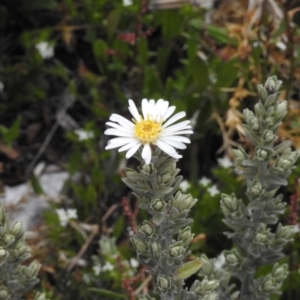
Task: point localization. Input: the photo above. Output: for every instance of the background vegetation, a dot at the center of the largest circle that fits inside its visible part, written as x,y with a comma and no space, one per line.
54,104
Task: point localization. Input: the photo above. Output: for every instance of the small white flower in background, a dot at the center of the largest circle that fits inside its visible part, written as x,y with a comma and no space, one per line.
130,231
127,2
213,191
150,128
204,181
219,261
134,263
65,215
225,162
72,213
86,278
296,228
45,49
107,267
97,269
184,185
1,86
83,134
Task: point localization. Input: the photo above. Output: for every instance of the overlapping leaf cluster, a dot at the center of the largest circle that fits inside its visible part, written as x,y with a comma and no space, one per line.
15,279
265,172
162,243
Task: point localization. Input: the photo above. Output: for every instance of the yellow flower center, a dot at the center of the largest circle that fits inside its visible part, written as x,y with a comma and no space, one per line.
147,131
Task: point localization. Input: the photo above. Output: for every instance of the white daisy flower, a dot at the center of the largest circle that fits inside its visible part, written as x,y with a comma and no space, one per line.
225,162
204,181
219,261
213,190
184,185
45,49
150,128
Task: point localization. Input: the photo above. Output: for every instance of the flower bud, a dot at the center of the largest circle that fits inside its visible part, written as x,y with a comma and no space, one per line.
176,249
248,115
272,85
279,272
281,111
21,250
284,232
183,201
233,258
268,285
256,190
209,285
4,293
32,270
268,136
17,229
166,177
262,92
139,245
240,154
8,239
147,168
254,124
261,238
163,283
156,250
158,204
207,267
269,121
185,236
147,229
261,154
271,99
228,203
259,109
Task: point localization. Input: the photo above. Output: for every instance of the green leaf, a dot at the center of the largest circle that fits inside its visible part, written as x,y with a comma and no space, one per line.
199,72
113,21
220,34
118,228
170,21
143,52
35,183
107,293
8,135
91,194
188,269
99,47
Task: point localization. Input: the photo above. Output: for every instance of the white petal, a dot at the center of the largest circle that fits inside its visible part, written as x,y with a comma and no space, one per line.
177,138
145,110
117,126
178,126
174,119
158,106
175,144
169,112
121,120
117,132
166,148
181,132
146,153
117,142
164,108
129,145
151,107
133,110
131,151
